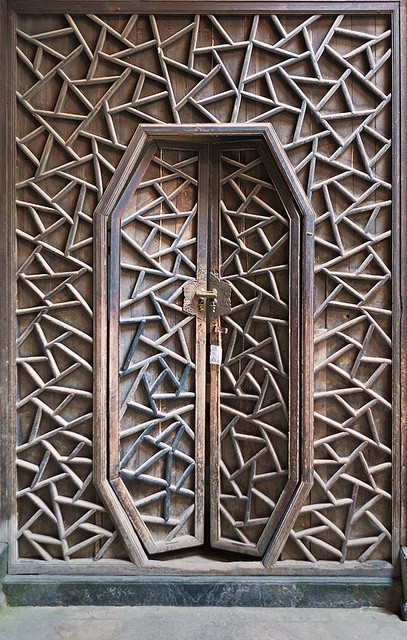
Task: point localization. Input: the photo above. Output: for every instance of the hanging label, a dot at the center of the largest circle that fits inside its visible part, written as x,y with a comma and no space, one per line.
216,355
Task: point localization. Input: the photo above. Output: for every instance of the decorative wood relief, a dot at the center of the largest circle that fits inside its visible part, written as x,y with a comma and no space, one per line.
194,442
254,389
155,241
84,85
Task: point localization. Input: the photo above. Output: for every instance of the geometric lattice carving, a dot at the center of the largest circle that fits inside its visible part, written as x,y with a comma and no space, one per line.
184,206
157,341
84,84
254,381
349,183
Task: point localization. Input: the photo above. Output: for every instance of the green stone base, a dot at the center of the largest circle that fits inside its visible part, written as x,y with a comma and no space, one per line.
343,592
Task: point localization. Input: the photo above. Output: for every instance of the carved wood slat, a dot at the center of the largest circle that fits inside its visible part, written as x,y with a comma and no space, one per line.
158,467
252,435
84,84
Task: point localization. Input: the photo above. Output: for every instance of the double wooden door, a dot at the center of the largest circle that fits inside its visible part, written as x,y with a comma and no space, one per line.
204,271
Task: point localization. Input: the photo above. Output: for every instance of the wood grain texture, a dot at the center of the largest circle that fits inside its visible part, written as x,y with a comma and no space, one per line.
7,309
399,264
220,7
255,244
159,363
163,243
85,83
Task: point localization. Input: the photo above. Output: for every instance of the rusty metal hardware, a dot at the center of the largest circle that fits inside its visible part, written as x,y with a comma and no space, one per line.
203,297
196,294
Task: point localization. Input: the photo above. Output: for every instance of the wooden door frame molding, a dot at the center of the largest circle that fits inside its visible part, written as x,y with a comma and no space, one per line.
9,11
198,7
128,174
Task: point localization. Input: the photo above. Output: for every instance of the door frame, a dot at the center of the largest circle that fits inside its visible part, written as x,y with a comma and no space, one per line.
127,176
10,9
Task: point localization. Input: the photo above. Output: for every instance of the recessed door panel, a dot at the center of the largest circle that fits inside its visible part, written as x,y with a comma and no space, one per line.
157,415
203,315
253,430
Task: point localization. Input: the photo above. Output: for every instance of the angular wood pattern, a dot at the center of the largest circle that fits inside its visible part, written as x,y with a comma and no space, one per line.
157,249
84,84
254,390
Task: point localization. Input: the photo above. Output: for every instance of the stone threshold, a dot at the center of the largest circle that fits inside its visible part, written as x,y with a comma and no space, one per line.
203,591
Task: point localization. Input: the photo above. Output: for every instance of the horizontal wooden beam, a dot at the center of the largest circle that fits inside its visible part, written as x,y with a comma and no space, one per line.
197,6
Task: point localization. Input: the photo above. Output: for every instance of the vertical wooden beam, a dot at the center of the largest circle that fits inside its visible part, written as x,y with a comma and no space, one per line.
400,286
7,283
4,311
399,283
215,427
201,344
403,562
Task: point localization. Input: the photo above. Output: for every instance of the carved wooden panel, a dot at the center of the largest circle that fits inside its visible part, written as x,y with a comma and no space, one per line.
189,437
155,246
84,84
254,391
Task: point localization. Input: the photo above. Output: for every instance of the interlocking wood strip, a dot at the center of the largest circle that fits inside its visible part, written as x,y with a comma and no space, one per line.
254,401
158,396
84,84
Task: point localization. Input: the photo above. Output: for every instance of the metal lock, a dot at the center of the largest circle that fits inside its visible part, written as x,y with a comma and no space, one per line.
203,296
196,296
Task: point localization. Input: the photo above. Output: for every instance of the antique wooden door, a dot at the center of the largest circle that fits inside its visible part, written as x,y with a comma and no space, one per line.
208,268
208,273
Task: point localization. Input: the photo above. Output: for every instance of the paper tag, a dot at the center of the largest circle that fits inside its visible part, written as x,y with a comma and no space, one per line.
216,355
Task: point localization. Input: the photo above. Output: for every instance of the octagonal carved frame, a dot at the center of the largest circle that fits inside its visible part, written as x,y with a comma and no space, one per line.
124,182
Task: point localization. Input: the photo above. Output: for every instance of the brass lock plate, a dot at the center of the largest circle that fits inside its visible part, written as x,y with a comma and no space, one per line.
213,301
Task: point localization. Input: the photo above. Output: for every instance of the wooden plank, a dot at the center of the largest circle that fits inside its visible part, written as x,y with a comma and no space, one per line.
178,6
203,241
399,21
194,565
6,312
8,511
215,340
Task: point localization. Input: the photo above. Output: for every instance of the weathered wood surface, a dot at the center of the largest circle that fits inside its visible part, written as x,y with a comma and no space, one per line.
164,250
84,85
